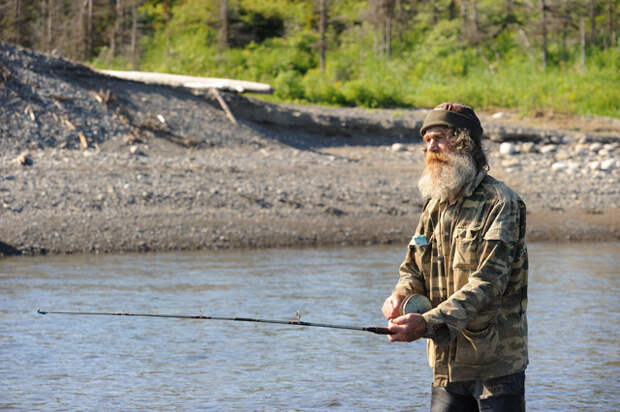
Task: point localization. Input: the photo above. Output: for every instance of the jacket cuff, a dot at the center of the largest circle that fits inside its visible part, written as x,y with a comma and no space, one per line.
433,323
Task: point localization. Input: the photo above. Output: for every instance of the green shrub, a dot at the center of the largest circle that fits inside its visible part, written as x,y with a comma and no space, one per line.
318,89
430,63
288,85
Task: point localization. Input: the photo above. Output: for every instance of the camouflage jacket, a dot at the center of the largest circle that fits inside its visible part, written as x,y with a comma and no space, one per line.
469,258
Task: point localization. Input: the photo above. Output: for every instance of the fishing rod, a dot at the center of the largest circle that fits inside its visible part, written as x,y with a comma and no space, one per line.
295,322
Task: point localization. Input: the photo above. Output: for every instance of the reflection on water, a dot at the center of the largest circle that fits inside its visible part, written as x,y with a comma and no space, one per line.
116,363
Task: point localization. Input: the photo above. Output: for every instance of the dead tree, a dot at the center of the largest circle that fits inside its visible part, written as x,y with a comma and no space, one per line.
322,33
543,24
223,32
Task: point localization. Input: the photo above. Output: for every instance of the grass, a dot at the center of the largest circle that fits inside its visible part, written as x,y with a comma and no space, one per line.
409,79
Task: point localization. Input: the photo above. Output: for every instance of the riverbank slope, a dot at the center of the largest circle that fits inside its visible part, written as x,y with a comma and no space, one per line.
90,163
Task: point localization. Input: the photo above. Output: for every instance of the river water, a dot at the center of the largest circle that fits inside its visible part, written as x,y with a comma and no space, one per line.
58,362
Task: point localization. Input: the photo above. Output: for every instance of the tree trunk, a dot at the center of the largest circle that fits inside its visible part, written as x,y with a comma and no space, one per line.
387,29
49,35
464,19
582,38
78,51
612,23
115,40
223,34
565,25
89,29
476,24
452,10
592,22
17,23
134,34
322,31
543,22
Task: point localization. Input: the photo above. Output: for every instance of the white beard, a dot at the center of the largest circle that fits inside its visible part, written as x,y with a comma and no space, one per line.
445,181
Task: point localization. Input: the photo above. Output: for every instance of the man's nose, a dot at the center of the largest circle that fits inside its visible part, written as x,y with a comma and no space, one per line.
432,145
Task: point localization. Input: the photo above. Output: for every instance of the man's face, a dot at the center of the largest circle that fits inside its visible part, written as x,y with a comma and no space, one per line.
437,146
437,139
447,170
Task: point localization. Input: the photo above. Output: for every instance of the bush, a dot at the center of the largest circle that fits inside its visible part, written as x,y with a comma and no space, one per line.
288,85
318,89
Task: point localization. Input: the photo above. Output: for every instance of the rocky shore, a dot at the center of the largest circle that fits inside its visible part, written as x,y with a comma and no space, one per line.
95,164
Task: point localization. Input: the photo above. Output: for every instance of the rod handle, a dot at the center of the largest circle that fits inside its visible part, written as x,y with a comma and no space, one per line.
379,330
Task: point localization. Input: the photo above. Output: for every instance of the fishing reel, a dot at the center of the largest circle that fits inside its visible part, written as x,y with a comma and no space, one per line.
415,304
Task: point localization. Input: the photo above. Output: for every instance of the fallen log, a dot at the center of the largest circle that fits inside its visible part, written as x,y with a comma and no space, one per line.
192,82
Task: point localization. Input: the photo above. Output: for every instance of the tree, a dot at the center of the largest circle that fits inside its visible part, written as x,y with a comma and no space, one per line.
543,25
223,33
322,33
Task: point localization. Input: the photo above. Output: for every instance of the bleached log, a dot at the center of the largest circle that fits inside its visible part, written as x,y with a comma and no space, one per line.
193,82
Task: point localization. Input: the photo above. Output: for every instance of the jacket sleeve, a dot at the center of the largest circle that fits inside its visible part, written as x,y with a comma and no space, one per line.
411,280
489,280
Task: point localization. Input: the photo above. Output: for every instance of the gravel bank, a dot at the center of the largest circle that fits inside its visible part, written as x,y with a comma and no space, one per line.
117,166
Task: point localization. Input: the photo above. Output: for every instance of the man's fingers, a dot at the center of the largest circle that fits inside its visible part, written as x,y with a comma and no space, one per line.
397,332
402,319
390,307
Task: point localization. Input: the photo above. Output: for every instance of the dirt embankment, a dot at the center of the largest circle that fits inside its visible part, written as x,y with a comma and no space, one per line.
119,166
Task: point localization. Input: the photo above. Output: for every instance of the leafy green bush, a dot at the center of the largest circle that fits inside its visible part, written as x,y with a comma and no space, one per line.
318,89
431,60
288,85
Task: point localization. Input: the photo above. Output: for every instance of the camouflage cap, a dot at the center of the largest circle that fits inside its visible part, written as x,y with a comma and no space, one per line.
455,115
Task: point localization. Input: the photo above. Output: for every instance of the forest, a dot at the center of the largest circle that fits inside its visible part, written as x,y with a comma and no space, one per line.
529,55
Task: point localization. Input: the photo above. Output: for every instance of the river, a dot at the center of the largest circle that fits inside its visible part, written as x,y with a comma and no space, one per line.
60,362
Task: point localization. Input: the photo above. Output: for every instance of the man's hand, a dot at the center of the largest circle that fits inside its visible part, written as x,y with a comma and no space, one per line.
391,306
406,328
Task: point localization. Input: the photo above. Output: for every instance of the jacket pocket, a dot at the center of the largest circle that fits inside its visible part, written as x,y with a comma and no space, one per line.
480,347
466,241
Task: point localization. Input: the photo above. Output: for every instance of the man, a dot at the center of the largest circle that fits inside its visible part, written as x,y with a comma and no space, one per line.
468,256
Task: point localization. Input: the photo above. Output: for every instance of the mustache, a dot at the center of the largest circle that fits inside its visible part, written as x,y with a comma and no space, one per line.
436,157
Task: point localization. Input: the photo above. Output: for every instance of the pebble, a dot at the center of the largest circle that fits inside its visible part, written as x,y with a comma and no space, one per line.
399,147
557,166
548,148
528,147
580,153
603,153
507,148
608,164
595,147
572,167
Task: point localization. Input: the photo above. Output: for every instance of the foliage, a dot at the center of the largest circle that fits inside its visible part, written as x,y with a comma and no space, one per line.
380,53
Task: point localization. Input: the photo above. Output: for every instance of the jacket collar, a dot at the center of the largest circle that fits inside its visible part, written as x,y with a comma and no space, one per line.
469,189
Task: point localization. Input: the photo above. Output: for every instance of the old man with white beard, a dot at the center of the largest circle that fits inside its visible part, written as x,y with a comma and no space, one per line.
468,257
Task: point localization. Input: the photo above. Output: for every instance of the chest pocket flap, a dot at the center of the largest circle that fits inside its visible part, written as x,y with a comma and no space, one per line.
505,225
466,240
